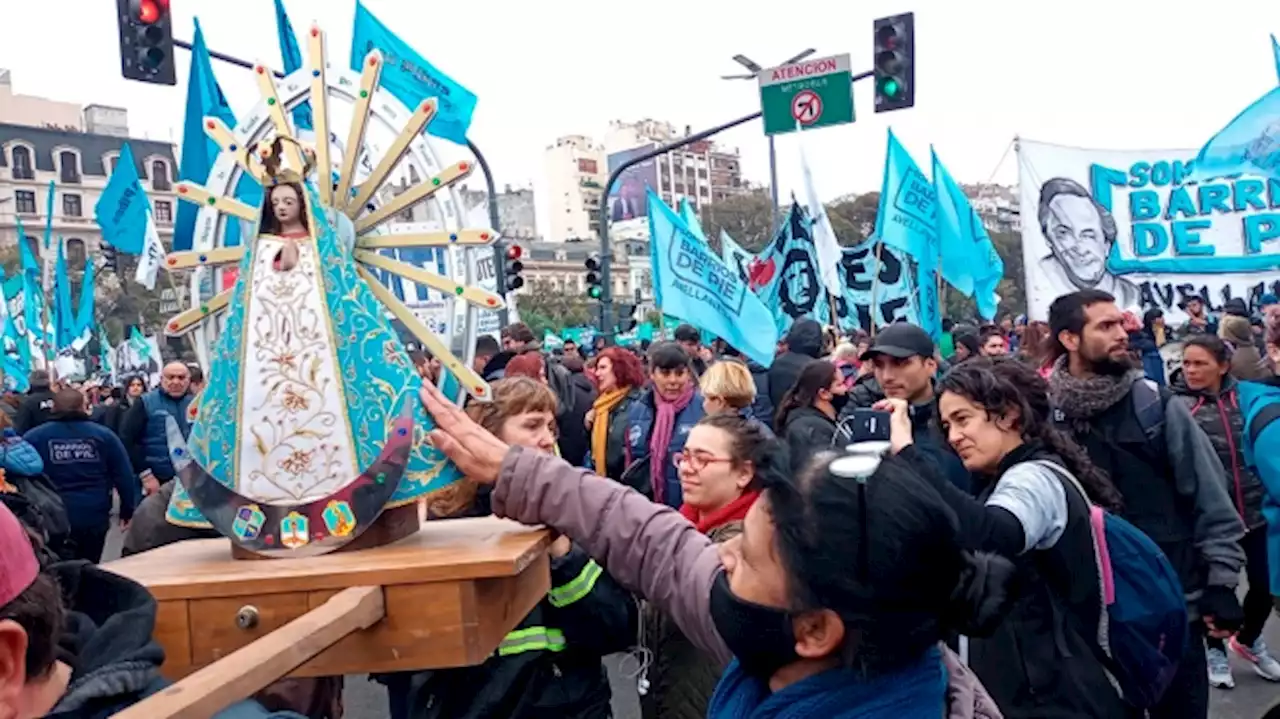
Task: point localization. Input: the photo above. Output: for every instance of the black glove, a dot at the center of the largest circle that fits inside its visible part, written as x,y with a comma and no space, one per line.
1220,605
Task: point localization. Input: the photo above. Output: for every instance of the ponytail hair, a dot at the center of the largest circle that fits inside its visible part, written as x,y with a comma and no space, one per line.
1003,385
815,377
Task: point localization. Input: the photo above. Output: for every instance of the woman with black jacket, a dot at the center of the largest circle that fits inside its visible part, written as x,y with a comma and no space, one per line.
1042,662
807,415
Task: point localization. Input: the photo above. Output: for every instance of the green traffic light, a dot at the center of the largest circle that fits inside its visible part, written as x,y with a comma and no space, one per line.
890,87
594,293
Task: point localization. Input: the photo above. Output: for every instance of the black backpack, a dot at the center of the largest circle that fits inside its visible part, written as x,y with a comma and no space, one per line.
39,506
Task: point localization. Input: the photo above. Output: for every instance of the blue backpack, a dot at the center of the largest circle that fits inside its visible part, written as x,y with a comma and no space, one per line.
1260,404
1143,630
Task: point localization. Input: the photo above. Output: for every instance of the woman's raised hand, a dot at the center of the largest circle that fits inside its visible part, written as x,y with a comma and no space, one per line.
476,452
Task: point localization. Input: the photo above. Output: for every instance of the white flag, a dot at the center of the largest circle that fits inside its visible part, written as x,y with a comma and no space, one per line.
152,254
824,237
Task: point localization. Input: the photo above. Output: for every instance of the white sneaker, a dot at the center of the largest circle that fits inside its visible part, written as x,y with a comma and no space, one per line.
1263,663
1219,669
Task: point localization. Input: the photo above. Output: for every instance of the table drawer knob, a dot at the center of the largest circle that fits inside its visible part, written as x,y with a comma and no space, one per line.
247,617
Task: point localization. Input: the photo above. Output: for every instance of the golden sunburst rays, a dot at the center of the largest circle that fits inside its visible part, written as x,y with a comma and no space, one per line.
351,199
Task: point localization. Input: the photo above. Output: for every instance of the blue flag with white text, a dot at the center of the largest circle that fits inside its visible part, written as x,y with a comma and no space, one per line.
698,288
292,57
63,313
408,76
122,207
907,216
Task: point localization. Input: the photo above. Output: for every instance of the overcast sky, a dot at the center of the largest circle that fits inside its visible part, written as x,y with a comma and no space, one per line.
1093,73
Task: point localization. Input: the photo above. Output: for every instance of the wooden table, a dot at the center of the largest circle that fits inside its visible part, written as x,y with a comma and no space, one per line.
452,591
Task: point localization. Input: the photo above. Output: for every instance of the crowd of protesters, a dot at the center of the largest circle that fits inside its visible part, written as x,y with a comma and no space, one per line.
750,535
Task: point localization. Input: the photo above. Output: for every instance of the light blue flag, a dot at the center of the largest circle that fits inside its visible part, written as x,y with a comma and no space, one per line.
736,257
63,317
1249,144
123,206
412,79
29,262
104,355
1275,54
907,217
292,57
698,288
969,259
205,99
84,316
690,218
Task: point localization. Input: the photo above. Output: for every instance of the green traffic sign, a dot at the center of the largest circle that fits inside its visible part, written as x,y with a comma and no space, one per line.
806,94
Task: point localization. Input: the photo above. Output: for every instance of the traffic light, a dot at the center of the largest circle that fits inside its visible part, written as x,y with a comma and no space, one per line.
594,288
895,58
626,318
514,267
146,41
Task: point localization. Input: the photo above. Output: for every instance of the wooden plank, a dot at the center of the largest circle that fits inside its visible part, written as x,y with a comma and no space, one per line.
202,258
275,108
481,236
220,685
359,119
200,195
317,52
185,320
471,380
173,632
454,173
418,120
472,295
443,550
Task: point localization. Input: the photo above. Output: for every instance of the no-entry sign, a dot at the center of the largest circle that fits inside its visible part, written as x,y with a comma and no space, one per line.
813,93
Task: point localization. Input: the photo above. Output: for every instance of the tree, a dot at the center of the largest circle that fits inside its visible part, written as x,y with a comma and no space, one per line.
747,218
855,220
545,307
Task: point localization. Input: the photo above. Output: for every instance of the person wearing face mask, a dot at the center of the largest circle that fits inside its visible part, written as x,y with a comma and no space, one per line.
1028,479
807,415
549,665
720,471
831,603
658,422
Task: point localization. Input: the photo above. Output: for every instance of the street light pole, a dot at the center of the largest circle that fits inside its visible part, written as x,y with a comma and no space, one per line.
606,263
754,69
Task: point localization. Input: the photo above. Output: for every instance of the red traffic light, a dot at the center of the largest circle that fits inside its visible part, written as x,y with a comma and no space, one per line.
149,11
514,252
887,37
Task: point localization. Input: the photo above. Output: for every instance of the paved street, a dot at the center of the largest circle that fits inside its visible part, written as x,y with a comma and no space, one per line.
1249,700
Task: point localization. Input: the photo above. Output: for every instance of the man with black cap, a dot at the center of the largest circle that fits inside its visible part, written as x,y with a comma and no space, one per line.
904,362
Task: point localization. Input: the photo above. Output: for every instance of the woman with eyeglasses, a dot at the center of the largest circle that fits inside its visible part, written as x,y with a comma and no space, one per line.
719,472
831,603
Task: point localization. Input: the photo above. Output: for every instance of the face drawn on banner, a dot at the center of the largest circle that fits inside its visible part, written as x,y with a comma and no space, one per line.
791,287
1131,223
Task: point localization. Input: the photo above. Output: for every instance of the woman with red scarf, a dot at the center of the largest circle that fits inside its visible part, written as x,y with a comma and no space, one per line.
718,473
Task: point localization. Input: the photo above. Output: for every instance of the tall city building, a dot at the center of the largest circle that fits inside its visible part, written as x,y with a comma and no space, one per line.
77,148
700,172
576,173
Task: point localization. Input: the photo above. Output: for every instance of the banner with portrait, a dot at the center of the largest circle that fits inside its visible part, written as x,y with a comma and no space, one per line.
879,287
1133,224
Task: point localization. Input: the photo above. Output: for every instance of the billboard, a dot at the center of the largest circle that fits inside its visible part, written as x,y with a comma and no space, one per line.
1132,223
627,196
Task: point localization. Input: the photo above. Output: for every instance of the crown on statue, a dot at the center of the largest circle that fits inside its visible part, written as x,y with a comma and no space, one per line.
268,161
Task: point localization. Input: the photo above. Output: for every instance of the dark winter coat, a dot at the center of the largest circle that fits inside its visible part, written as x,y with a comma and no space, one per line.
683,677
804,345
143,430
85,462
616,444
35,409
807,431
1220,417
574,397
640,418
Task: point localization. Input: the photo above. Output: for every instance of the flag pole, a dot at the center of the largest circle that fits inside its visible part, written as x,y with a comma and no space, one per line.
46,284
875,286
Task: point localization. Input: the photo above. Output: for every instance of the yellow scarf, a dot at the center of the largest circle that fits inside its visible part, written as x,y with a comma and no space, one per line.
603,405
